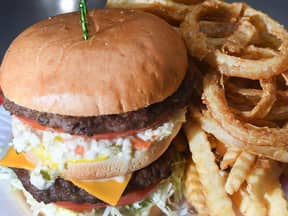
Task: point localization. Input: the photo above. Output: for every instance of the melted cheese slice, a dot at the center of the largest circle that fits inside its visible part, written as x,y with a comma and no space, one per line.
109,191
16,160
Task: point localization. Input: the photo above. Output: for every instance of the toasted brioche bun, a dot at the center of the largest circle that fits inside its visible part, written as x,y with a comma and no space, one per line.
116,166
131,60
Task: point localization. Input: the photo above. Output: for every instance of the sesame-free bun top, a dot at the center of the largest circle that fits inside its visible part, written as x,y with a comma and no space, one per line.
131,60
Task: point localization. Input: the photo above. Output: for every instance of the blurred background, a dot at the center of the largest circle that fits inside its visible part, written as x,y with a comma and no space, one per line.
16,15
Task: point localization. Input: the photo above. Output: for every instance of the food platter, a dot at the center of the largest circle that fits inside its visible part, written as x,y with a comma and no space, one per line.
242,123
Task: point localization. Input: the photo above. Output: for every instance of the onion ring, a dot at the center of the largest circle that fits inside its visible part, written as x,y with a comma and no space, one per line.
240,103
209,125
236,39
262,68
266,102
173,11
249,93
252,69
216,29
196,23
253,94
254,52
214,98
188,2
263,123
278,113
285,76
240,38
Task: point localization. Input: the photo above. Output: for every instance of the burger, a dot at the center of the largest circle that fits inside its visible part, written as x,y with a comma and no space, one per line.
92,120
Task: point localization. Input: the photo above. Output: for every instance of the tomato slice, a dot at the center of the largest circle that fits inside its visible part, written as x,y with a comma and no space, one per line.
34,124
79,207
139,143
136,195
129,198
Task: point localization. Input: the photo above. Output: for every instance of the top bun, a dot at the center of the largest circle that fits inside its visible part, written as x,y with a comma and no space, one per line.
131,60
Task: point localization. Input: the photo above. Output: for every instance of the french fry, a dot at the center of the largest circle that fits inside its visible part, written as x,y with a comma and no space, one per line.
247,205
277,204
213,142
229,157
256,182
217,200
193,190
261,179
262,186
220,147
253,207
223,174
239,172
237,198
274,195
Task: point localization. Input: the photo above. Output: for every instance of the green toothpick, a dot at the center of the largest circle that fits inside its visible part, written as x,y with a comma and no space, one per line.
83,18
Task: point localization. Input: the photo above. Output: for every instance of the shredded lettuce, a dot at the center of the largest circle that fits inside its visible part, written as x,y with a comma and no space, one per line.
166,197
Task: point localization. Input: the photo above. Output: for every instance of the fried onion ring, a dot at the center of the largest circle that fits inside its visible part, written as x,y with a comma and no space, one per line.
285,76
266,102
240,38
214,98
206,26
270,62
278,113
236,39
209,125
173,11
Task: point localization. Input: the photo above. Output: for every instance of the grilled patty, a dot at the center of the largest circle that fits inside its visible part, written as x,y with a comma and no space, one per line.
140,119
63,190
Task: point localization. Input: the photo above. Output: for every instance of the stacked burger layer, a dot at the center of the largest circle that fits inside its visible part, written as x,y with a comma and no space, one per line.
93,120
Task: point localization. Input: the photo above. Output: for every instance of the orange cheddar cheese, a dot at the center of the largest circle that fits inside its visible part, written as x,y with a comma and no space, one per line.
16,160
109,191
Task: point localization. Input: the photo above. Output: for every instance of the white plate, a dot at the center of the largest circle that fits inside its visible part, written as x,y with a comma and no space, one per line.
5,130
10,205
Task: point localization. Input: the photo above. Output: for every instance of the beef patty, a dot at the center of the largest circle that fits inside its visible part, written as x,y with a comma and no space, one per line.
134,120
63,190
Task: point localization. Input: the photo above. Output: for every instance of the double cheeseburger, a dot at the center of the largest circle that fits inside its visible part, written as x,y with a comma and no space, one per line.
92,120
